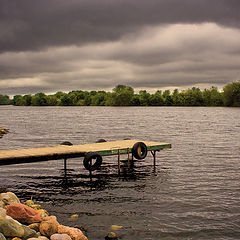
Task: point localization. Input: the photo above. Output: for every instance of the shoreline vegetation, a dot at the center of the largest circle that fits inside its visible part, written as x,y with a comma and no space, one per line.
123,95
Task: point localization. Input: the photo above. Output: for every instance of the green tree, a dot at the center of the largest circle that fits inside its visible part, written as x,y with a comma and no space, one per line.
231,94
52,100
175,98
144,98
27,100
98,98
122,95
212,97
156,99
193,97
39,99
167,98
18,100
4,100
66,100
135,100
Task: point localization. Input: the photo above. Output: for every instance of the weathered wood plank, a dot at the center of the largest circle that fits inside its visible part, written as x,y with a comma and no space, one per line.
8,157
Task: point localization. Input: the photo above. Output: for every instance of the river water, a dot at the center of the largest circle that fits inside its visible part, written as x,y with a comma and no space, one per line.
193,193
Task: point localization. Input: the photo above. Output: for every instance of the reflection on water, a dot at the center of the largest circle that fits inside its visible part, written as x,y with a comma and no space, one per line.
192,193
71,181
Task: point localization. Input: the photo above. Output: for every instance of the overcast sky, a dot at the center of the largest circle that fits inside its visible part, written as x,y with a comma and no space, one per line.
63,45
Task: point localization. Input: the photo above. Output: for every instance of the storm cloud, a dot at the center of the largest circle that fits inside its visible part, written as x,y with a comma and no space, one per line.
61,45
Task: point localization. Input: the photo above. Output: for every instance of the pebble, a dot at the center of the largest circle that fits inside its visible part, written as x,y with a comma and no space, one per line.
111,236
49,226
58,236
29,233
34,226
74,233
73,217
10,227
38,238
2,237
116,227
8,198
42,238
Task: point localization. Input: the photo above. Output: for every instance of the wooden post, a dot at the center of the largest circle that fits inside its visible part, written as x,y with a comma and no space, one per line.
65,166
119,160
128,158
154,158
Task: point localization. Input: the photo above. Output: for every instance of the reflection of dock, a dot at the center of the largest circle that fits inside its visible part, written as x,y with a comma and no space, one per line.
8,157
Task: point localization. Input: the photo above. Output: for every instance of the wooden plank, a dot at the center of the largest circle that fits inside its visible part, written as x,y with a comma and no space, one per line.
61,151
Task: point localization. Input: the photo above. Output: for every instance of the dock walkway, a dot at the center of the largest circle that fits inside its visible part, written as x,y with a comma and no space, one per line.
8,157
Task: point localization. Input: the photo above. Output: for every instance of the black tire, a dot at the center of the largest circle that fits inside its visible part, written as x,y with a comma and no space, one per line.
67,143
139,150
92,161
100,140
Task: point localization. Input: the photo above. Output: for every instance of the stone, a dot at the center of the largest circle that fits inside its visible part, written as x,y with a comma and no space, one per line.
8,198
2,237
29,203
73,217
10,227
36,206
23,213
29,233
116,227
111,236
38,238
42,238
34,226
74,233
49,226
58,236
43,213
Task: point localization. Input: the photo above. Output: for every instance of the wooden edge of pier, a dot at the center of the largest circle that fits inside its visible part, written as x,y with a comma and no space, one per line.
8,157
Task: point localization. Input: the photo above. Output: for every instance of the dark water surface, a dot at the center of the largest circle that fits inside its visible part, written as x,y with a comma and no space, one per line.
194,192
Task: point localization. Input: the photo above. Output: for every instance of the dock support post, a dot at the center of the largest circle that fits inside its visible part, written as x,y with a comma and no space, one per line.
128,158
118,160
65,166
154,157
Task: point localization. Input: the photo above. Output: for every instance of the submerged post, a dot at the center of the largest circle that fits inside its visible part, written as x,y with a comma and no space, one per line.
119,160
154,157
65,166
128,158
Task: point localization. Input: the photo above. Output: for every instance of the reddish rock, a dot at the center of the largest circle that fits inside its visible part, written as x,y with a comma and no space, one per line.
49,226
74,233
23,213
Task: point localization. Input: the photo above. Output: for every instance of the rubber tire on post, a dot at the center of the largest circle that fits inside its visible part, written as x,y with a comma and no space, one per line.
100,140
92,156
67,143
139,150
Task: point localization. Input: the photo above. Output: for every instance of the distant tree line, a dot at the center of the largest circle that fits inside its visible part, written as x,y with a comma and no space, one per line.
123,95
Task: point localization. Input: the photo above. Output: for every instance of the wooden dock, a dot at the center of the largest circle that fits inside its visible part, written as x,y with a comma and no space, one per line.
8,157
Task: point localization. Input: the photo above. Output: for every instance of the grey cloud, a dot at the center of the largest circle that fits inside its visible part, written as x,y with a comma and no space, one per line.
47,46
173,55
35,25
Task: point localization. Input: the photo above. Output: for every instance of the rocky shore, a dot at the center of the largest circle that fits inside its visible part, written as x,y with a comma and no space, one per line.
22,221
